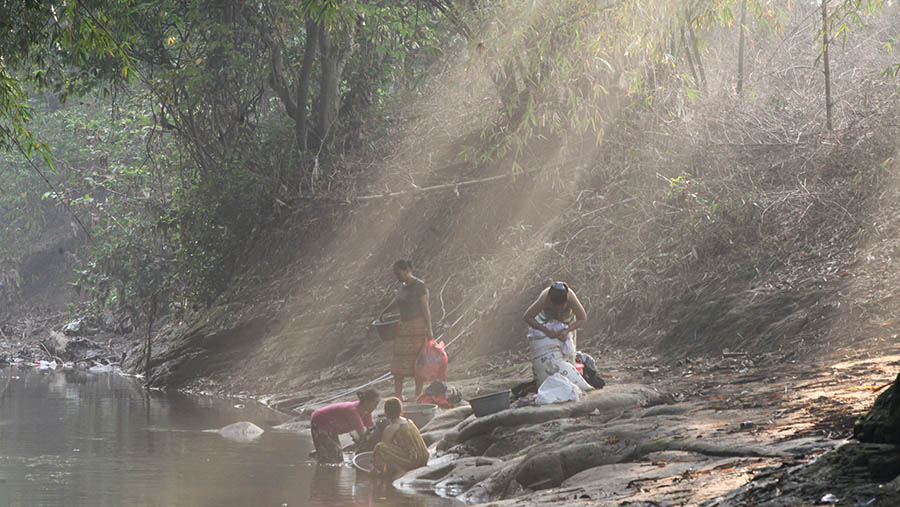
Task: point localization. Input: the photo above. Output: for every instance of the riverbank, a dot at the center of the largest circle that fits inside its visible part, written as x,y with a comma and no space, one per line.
685,432
743,319
80,439
56,340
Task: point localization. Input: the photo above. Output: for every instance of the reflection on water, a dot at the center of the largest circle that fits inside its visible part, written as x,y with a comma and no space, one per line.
79,439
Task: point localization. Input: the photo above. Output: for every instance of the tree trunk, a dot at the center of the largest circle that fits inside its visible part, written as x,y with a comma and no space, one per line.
328,85
690,59
825,44
740,76
309,57
694,45
290,84
151,315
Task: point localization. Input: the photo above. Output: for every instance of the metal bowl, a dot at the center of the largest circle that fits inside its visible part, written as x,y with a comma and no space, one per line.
419,413
490,403
364,461
387,328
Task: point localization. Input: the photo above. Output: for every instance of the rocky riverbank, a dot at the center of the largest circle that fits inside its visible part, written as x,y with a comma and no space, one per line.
53,341
704,429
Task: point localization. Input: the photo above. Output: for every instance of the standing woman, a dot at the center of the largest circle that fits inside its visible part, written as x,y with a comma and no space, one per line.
415,325
557,302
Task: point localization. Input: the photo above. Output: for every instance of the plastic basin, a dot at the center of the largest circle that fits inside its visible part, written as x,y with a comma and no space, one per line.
419,413
387,328
490,403
364,461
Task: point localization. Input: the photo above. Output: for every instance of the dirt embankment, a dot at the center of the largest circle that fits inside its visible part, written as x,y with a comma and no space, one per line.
675,243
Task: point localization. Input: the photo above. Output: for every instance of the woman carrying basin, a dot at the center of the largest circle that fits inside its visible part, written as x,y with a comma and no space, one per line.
415,325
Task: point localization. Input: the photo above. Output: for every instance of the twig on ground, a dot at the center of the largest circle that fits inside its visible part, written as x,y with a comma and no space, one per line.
49,354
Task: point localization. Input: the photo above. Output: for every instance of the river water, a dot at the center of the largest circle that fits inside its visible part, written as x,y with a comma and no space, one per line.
79,439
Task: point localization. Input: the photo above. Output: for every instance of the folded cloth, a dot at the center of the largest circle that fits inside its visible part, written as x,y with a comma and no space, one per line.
567,347
441,390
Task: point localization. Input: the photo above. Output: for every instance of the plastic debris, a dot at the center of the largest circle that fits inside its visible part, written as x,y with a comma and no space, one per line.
557,389
73,327
828,499
46,365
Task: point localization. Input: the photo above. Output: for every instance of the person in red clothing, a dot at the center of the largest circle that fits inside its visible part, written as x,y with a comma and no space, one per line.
350,416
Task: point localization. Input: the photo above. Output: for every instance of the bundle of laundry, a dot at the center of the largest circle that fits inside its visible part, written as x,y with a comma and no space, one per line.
550,356
441,394
589,369
567,347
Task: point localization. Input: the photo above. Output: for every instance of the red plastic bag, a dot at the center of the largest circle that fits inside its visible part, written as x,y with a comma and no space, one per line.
437,400
432,362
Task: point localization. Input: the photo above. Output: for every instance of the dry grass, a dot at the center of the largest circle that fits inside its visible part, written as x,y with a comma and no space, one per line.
724,224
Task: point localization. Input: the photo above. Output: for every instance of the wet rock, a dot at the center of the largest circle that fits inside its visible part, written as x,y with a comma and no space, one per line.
102,368
549,470
475,446
453,476
443,423
495,485
542,471
882,423
507,441
80,349
607,401
295,426
56,343
244,431
448,418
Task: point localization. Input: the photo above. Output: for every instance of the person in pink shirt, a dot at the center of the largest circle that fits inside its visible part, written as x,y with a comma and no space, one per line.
346,417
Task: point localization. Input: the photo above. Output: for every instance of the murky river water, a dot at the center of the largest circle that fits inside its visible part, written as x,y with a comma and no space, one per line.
79,439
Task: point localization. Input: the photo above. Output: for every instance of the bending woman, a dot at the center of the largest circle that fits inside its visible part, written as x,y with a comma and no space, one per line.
350,416
554,317
415,325
402,448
